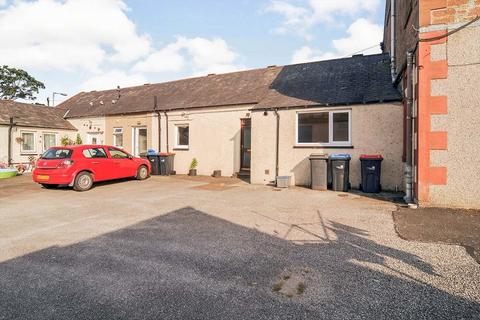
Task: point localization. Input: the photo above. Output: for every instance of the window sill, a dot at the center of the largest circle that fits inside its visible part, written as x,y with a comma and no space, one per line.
180,149
322,147
28,153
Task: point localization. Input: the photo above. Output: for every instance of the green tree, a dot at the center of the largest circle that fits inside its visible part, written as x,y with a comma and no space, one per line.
79,139
18,84
66,141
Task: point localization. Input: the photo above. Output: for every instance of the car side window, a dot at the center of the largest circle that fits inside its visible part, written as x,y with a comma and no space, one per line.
94,153
117,154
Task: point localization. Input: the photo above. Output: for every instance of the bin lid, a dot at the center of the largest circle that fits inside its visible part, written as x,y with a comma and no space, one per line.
371,157
151,152
340,156
318,156
166,154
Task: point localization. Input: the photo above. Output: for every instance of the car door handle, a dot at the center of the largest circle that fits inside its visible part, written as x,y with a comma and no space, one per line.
95,162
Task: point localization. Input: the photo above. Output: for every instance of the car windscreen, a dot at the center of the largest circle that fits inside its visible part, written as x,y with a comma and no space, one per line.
51,154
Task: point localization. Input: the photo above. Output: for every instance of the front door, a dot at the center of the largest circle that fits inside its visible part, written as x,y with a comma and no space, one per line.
245,148
140,144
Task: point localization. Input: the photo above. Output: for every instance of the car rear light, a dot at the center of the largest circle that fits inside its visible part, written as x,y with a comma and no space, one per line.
65,164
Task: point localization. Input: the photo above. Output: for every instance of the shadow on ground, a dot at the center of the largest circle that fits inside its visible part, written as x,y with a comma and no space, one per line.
190,265
452,226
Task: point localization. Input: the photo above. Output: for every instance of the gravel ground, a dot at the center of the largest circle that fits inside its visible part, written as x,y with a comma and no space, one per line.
167,249
454,226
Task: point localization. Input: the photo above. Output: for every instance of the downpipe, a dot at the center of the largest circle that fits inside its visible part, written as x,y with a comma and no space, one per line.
409,128
277,146
10,129
393,35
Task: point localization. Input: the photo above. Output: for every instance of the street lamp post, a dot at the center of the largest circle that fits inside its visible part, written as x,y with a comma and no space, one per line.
57,93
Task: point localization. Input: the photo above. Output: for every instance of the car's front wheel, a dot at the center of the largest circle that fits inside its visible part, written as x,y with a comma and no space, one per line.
83,182
142,173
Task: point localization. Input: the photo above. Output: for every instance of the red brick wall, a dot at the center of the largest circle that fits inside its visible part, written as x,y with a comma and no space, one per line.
435,12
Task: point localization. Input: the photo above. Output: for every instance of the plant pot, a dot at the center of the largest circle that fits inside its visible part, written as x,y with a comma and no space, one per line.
192,172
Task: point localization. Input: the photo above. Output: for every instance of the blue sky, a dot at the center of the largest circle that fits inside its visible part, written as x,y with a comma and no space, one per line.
79,45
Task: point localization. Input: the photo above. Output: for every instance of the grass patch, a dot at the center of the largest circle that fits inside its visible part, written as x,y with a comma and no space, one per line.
301,288
278,286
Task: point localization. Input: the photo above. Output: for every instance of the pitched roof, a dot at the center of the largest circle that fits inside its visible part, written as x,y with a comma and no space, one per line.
29,115
245,87
356,80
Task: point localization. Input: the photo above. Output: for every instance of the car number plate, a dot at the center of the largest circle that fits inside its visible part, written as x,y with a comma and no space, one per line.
43,177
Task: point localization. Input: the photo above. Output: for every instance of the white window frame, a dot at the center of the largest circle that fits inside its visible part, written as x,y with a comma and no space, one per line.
43,139
34,151
179,146
330,143
118,131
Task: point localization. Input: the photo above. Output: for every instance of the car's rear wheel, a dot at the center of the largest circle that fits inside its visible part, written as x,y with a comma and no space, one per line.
49,186
142,173
83,181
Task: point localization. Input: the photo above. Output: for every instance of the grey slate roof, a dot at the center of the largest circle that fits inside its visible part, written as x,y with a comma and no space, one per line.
356,80
245,87
348,81
29,115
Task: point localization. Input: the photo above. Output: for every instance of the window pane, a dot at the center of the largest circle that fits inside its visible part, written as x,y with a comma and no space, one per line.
49,140
313,127
57,154
28,141
119,140
117,154
183,138
340,127
142,140
94,153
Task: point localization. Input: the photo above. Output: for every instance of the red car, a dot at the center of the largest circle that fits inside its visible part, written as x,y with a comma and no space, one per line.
81,166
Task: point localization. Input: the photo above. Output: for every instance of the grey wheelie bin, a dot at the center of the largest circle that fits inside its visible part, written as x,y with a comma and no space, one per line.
319,171
340,169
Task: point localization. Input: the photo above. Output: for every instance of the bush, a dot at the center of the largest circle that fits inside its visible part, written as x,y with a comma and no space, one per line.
66,141
193,164
79,139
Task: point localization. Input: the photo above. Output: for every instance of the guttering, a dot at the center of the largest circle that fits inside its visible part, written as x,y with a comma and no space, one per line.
409,129
277,145
325,105
11,124
393,27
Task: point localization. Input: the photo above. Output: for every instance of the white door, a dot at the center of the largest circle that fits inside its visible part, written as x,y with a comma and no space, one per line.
140,144
94,138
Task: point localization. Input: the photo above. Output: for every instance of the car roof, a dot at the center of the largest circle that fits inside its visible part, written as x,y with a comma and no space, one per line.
85,146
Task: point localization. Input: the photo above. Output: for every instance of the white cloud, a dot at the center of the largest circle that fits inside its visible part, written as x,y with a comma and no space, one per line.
301,18
307,54
112,79
69,35
197,54
362,34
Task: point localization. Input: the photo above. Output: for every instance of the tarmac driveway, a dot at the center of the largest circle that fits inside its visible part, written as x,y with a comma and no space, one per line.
176,248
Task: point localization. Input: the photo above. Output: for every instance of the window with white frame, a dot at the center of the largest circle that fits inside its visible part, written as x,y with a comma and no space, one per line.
49,140
324,128
118,137
28,142
182,136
